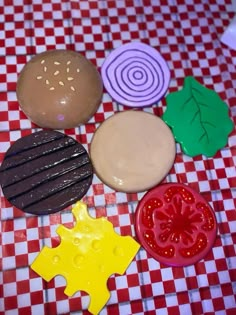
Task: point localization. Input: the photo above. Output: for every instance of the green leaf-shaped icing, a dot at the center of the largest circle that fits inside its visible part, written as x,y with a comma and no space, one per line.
199,119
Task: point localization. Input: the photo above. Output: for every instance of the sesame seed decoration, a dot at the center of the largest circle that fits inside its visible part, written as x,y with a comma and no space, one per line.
57,72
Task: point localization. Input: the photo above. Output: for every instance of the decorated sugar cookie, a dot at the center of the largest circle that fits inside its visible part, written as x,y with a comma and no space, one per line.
59,89
136,75
175,224
132,151
45,172
199,119
87,256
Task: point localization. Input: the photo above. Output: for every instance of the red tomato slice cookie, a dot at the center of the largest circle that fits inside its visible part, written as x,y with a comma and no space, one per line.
175,224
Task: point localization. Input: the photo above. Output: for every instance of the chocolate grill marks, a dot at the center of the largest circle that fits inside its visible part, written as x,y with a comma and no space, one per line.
45,172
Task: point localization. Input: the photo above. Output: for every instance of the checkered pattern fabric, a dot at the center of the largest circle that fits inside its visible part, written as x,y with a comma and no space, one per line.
187,34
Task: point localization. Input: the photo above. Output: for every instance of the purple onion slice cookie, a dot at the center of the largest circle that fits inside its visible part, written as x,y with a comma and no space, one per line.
136,75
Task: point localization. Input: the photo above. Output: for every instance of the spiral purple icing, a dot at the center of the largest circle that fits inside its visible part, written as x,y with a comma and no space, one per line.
136,75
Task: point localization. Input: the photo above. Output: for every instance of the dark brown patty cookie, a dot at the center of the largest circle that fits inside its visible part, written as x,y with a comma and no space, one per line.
45,172
59,89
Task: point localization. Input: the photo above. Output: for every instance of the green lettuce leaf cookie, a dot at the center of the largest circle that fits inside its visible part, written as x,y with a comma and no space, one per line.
199,119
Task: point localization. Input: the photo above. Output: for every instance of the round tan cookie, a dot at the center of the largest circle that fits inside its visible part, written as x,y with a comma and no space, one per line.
59,89
132,151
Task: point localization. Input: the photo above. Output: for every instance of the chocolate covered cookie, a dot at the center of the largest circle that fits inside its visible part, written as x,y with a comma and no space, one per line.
45,172
59,89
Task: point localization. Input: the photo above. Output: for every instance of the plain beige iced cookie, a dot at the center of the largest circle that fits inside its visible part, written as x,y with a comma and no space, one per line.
59,89
132,151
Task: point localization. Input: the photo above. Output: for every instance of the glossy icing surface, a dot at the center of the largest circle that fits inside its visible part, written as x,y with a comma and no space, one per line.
136,75
132,151
175,224
199,118
45,172
59,89
87,256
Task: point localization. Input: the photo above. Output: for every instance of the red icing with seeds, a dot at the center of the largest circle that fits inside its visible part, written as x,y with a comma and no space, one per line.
175,224
167,251
199,245
186,195
148,210
208,215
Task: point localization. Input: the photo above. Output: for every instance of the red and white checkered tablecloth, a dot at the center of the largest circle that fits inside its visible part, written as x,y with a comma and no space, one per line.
187,33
